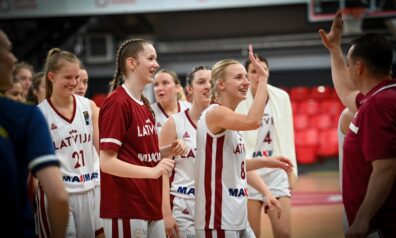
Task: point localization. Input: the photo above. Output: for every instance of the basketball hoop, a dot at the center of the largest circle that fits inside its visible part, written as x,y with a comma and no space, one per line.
353,19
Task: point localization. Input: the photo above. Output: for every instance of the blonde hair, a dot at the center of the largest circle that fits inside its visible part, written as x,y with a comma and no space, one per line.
55,60
176,80
129,48
218,73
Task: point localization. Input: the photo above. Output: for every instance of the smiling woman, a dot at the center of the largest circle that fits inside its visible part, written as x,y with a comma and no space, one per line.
73,122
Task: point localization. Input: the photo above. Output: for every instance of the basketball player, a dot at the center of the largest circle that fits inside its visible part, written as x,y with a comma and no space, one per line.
73,124
273,138
178,192
221,169
167,89
131,165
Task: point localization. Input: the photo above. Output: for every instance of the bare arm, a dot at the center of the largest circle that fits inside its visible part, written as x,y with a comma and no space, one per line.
267,162
343,84
380,185
254,180
50,179
109,163
95,124
221,118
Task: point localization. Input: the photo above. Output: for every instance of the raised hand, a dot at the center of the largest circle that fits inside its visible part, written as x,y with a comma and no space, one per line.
332,40
261,71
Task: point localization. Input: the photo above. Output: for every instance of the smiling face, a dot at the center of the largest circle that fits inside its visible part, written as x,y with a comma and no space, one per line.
146,64
7,60
64,81
165,88
200,87
235,83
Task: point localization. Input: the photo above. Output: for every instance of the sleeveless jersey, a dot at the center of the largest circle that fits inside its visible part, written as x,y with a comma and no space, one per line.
161,116
275,179
182,179
73,144
220,179
127,127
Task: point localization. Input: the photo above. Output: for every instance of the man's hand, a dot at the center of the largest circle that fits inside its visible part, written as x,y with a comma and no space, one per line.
332,40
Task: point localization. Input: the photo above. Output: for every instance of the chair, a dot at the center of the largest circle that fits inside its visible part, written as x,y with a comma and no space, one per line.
327,143
309,107
321,121
320,92
299,93
306,144
300,121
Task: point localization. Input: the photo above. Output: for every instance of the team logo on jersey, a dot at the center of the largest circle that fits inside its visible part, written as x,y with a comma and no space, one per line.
86,117
158,124
53,126
148,121
186,135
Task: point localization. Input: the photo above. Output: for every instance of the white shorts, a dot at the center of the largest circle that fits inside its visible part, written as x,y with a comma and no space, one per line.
84,218
277,182
183,212
224,234
133,228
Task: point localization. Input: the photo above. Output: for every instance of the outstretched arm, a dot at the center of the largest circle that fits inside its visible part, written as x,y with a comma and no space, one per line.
343,84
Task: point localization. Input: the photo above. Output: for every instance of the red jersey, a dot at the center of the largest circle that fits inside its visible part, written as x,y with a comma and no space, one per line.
371,136
127,127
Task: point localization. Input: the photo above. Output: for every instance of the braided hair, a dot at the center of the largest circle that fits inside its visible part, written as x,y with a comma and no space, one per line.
129,48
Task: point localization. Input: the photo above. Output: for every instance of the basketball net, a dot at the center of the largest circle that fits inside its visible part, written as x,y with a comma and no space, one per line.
353,19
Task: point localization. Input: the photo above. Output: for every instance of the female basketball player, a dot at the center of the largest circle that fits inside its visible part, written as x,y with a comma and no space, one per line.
221,168
273,138
178,192
73,125
167,89
131,165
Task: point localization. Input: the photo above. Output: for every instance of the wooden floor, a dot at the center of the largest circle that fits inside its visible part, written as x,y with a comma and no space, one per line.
315,218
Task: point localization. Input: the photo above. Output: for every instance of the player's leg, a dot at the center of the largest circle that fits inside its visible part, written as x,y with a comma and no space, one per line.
281,227
255,215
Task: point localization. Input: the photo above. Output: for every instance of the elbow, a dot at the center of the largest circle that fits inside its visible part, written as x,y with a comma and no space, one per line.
60,197
255,124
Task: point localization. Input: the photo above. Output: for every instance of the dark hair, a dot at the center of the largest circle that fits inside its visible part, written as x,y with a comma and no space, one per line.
129,48
54,62
31,97
261,58
375,50
190,75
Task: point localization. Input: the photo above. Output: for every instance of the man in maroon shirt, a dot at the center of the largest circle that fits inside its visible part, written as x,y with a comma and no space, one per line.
364,85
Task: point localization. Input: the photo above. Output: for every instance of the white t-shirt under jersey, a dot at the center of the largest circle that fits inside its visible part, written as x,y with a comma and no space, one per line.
220,179
73,143
161,116
182,179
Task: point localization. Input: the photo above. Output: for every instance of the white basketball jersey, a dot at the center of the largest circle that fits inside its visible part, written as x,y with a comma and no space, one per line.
182,179
220,179
275,179
73,143
161,116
